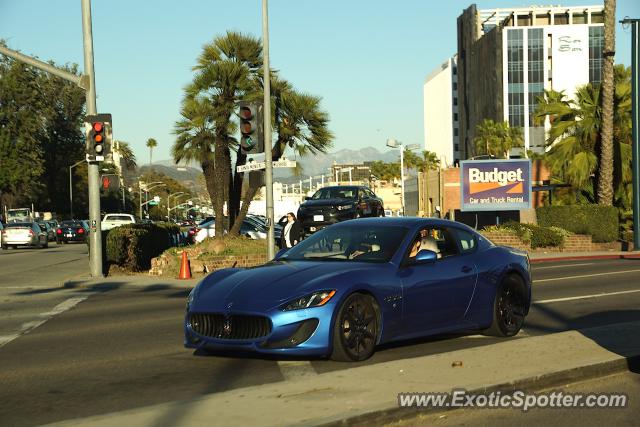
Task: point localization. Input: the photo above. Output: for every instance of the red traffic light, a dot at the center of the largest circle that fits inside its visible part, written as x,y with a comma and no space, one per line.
98,126
245,113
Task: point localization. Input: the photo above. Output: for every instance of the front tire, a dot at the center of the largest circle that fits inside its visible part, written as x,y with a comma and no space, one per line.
355,332
509,308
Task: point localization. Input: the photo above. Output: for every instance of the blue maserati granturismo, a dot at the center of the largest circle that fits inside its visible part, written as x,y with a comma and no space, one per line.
360,283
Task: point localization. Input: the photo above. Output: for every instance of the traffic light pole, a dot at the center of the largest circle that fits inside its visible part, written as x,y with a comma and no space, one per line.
95,229
268,173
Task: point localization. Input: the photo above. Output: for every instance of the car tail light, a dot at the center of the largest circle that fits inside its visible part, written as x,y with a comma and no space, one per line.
58,231
194,231
31,233
80,230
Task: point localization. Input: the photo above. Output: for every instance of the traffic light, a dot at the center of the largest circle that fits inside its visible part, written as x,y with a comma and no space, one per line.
98,132
251,140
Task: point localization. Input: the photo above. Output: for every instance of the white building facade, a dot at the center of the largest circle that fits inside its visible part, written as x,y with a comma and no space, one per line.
440,95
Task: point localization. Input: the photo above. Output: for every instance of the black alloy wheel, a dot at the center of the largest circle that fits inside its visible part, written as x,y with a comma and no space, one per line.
355,332
509,308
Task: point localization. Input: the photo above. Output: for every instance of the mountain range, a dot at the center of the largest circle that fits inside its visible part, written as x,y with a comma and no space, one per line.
310,165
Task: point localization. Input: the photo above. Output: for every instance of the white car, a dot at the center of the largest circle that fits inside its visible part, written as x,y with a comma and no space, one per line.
24,234
114,220
248,228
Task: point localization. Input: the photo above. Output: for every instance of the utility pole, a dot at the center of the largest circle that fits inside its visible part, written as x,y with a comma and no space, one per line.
268,170
95,255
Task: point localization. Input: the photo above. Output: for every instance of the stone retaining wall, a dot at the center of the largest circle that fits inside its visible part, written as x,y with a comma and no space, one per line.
573,243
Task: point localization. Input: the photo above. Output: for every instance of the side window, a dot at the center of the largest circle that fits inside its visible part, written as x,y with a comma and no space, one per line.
467,241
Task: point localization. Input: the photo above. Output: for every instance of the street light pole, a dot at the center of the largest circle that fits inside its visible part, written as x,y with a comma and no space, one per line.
71,188
268,171
95,229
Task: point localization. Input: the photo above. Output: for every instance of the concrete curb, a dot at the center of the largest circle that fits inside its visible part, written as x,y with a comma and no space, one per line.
532,384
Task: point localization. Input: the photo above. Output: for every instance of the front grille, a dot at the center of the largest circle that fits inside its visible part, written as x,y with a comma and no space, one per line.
232,327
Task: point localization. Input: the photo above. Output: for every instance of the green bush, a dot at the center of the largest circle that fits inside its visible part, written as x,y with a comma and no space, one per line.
132,246
601,222
540,237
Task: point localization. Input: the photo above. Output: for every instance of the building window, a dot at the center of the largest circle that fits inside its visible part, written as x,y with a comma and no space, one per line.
455,85
561,19
596,44
535,73
455,117
597,18
455,131
524,21
543,19
456,147
579,18
515,77
455,101
455,70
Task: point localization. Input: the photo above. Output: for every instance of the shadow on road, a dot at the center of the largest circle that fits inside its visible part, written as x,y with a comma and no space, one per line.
605,328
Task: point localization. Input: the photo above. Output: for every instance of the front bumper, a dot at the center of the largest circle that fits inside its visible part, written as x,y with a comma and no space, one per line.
310,225
304,332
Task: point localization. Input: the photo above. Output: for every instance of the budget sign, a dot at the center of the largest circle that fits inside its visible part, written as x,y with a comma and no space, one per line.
495,185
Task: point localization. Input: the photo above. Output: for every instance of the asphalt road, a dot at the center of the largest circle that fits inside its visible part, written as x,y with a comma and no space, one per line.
122,348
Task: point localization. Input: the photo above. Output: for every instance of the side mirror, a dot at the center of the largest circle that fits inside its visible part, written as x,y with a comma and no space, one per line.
280,253
425,256
307,198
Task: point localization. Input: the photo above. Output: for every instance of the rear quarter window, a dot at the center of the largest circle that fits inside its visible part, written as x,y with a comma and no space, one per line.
467,241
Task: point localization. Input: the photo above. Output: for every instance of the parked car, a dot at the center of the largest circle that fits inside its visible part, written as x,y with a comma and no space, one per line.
361,283
51,233
330,205
24,234
114,220
72,231
1,228
249,228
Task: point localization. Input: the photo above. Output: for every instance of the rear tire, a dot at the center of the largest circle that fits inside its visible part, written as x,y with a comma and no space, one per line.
509,308
355,332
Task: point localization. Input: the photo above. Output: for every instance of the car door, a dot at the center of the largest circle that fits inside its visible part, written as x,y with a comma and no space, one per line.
436,294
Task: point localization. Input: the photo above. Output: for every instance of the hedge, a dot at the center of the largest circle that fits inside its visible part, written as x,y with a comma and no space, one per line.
540,237
132,246
601,222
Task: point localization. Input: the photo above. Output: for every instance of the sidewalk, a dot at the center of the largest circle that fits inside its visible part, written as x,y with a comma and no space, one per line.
536,257
367,395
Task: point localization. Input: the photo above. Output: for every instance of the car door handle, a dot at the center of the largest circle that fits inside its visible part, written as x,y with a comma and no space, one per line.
466,269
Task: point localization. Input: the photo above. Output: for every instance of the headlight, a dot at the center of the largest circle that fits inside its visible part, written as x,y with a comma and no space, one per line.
191,298
315,299
345,207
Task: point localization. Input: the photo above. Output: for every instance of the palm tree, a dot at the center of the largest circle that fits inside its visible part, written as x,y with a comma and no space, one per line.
575,136
224,74
126,155
497,139
605,172
151,143
427,161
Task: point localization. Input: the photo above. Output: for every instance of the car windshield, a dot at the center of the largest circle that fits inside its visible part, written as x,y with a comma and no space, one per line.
20,225
118,218
354,243
336,193
71,224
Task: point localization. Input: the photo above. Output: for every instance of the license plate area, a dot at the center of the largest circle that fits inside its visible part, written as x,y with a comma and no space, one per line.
318,218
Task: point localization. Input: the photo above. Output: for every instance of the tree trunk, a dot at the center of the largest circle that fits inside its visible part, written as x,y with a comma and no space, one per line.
219,177
236,191
605,173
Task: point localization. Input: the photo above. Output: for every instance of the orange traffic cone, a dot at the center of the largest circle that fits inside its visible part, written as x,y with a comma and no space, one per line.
185,268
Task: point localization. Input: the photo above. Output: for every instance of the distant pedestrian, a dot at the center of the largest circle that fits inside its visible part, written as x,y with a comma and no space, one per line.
291,233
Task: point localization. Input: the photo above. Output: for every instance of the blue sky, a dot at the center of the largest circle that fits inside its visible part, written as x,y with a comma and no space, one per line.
367,59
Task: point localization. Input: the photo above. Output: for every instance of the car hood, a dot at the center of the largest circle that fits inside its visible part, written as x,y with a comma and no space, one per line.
266,287
327,202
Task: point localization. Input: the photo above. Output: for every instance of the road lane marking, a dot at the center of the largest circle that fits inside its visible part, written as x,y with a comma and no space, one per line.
602,294
582,276
563,266
293,370
43,318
